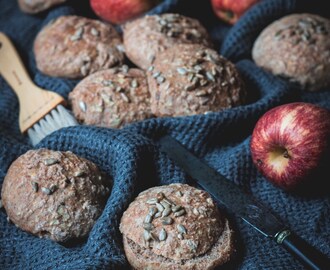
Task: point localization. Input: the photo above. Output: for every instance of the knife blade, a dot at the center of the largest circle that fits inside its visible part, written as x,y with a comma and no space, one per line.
243,204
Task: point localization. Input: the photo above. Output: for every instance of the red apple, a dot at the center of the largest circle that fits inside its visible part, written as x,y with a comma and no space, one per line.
231,10
120,11
289,142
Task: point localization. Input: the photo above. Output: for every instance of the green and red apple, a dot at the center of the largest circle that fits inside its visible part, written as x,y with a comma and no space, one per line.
289,142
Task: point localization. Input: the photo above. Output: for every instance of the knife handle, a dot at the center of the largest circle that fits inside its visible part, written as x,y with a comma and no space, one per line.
308,255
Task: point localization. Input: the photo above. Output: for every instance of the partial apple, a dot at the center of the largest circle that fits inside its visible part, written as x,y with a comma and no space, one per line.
289,143
231,10
120,11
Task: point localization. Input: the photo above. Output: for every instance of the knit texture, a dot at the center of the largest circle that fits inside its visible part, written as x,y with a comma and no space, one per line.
133,160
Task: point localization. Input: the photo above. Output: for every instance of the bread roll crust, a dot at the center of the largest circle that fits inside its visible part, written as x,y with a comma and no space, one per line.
196,238
53,194
296,47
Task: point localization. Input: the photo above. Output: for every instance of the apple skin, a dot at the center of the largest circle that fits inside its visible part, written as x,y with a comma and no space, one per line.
231,10
290,142
120,11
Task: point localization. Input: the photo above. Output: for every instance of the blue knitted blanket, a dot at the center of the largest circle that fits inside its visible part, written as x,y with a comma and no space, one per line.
133,160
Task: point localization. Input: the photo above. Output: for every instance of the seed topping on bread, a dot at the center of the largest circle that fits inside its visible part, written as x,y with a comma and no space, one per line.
302,31
161,207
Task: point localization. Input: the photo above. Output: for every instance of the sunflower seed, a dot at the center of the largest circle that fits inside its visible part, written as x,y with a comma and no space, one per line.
151,58
152,201
152,211
35,186
125,68
209,201
190,87
192,245
50,161
78,34
95,32
160,79
162,235
176,208
169,201
79,173
214,71
191,77
158,214
165,204
181,229
84,70
148,219
181,70
155,74
151,68
46,191
107,83
166,212
162,22
210,76
124,97
154,237
201,93
203,82
148,226
180,213
82,106
167,221
53,188
159,207
134,83
180,236
146,235
195,211
179,193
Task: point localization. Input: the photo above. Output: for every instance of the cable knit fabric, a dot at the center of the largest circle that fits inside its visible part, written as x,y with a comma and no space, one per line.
133,160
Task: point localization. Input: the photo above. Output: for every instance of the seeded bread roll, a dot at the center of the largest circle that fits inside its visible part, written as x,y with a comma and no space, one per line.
36,6
55,195
73,47
145,37
296,47
175,227
191,79
112,98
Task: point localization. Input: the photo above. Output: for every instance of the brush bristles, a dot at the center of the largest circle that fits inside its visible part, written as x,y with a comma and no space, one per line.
56,119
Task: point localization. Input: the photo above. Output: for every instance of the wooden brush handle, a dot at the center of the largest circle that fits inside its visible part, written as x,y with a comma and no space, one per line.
35,102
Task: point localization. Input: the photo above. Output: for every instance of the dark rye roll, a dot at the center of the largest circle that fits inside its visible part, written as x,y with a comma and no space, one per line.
112,98
55,195
296,47
145,37
74,47
189,79
175,227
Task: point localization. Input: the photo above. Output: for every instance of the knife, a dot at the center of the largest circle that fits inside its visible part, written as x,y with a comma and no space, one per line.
243,204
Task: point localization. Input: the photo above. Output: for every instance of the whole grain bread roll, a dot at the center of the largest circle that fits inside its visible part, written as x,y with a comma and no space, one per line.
189,79
175,227
112,97
55,195
145,37
74,46
296,47
36,6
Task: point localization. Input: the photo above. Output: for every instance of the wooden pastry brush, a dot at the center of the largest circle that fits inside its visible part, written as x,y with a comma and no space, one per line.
41,111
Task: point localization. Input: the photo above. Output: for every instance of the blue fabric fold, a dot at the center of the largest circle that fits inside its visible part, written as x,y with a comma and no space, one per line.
133,160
